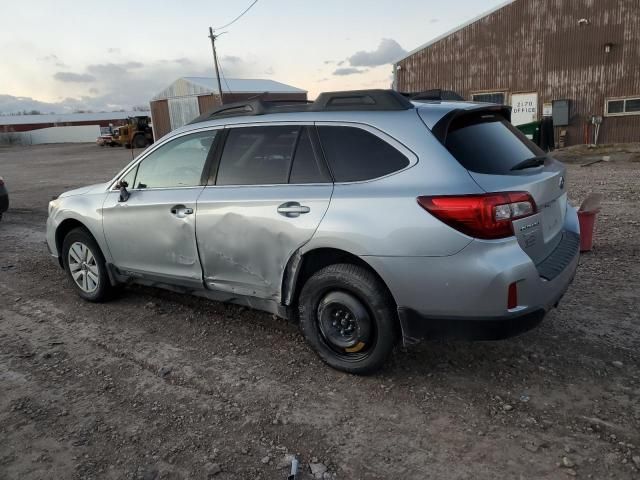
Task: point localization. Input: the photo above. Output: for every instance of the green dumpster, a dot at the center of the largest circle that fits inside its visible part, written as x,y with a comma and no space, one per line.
531,131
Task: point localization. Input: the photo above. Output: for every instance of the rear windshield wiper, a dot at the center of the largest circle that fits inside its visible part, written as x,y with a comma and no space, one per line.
530,163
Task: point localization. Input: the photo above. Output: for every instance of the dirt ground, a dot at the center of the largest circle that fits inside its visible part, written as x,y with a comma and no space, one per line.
160,386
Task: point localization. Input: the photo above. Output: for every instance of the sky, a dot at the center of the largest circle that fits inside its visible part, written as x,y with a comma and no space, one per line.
65,56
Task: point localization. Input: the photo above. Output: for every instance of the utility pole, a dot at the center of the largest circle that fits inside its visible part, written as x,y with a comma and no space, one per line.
215,61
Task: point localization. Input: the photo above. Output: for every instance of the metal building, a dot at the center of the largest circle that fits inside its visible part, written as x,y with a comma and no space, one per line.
25,123
188,97
575,60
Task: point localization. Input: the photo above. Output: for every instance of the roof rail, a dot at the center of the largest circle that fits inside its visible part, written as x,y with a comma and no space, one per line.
361,100
433,94
354,100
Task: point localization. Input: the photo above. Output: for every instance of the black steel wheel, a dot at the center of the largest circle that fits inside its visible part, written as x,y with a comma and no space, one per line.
349,318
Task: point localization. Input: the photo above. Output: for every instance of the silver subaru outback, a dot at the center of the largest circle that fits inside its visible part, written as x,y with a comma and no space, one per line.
368,217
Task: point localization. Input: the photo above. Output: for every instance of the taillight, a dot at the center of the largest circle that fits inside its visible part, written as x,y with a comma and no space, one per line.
487,216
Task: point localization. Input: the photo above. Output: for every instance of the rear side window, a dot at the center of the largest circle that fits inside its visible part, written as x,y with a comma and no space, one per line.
257,155
489,144
354,154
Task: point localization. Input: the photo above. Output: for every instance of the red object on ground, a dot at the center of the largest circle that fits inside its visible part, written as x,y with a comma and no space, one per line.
587,222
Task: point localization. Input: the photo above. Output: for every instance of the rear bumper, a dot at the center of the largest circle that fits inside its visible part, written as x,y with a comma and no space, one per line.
416,326
465,295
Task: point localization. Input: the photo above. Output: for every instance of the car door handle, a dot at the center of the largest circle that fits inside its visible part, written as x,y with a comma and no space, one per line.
181,211
292,209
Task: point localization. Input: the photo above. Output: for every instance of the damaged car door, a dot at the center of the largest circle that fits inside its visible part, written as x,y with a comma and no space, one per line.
266,198
150,225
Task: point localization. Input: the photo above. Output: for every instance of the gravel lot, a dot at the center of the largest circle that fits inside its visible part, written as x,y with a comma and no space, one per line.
157,385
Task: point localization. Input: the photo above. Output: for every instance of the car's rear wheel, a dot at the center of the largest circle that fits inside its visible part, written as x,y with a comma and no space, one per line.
348,317
85,266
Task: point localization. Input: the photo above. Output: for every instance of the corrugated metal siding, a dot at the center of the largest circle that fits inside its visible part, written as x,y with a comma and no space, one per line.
160,118
539,46
182,88
182,110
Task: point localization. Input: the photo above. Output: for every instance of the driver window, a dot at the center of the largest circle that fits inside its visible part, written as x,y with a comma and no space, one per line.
178,163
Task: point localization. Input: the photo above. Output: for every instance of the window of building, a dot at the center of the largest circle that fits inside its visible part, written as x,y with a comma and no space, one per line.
491,97
623,106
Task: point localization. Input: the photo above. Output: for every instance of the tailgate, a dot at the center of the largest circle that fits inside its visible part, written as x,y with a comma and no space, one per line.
500,158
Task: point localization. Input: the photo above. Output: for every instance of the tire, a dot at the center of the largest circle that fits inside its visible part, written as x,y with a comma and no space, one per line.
89,269
331,301
139,141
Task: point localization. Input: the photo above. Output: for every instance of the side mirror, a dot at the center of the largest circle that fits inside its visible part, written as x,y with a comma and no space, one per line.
124,193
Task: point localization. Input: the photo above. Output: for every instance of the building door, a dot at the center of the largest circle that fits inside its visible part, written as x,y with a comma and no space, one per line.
525,108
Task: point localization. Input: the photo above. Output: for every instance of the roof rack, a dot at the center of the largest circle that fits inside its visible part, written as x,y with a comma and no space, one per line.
433,94
354,100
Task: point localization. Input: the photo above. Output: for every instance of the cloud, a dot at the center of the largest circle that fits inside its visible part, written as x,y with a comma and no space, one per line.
388,51
183,61
230,59
348,71
112,86
53,59
434,20
113,69
74,77
113,50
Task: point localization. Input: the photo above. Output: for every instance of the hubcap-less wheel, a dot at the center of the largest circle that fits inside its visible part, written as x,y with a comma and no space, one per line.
83,267
345,325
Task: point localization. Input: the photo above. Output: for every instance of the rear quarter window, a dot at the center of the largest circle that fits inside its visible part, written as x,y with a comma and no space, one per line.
489,144
353,154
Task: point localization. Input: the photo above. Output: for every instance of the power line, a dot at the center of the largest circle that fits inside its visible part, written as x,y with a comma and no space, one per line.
238,17
224,77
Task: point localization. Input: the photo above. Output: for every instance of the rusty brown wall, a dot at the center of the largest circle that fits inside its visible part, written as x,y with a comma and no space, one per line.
208,102
160,118
539,46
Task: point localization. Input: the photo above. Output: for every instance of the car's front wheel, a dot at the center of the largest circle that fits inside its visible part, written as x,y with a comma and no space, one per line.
348,317
85,266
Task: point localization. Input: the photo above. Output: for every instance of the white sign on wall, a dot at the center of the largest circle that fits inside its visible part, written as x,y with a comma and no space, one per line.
524,108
